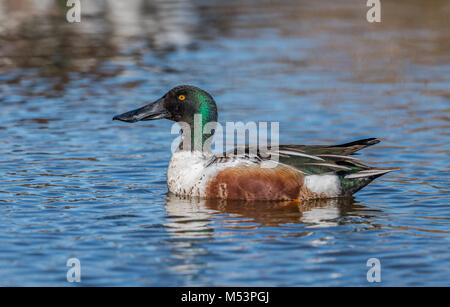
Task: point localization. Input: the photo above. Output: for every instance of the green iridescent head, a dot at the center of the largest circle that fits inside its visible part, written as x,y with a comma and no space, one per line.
184,103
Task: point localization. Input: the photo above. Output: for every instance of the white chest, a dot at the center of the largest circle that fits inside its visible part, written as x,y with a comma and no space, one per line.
186,175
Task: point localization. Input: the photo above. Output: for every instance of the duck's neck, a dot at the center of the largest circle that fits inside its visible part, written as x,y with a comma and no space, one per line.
196,135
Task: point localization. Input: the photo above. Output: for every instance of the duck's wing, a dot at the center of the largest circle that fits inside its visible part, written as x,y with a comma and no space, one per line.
314,160
309,159
341,149
327,158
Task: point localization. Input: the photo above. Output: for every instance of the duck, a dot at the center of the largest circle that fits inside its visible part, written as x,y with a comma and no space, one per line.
281,173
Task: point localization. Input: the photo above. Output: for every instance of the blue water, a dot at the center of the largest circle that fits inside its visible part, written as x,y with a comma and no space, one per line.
76,184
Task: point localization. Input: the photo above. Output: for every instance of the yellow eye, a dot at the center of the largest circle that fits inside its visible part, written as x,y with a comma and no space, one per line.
181,97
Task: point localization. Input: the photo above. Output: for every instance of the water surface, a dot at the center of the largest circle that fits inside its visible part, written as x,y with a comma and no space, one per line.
76,184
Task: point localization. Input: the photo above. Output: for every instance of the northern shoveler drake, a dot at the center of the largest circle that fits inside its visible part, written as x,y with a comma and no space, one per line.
301,172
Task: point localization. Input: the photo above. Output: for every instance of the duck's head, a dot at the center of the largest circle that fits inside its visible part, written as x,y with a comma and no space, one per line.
180,104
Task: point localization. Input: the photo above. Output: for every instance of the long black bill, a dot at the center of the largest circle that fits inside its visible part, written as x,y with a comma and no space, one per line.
154,110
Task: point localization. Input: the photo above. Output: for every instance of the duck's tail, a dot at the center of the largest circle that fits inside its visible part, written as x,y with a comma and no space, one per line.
355,181
316,160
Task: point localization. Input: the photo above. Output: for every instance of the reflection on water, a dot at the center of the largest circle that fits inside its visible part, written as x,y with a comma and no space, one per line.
319,212
190,218
76,184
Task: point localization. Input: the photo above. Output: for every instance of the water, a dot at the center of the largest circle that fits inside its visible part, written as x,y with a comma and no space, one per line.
76,184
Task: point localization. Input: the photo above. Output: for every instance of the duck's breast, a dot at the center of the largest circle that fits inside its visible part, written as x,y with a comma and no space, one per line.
187,174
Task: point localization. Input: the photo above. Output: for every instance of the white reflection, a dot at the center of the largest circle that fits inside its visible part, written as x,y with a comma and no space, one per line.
188,219
194,218
323,216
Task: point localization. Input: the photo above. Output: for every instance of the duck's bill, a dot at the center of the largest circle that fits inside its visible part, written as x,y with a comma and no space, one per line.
152,111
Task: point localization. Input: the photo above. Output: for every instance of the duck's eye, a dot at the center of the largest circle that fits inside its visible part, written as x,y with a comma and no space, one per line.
181,97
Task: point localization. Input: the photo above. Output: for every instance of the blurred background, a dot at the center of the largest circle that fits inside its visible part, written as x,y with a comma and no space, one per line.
76,184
